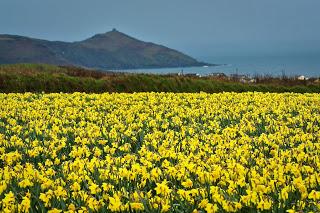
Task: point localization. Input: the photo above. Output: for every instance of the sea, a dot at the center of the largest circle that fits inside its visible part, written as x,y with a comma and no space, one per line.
291,66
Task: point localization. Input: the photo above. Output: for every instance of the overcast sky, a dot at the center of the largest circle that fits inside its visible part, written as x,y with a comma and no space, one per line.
201,28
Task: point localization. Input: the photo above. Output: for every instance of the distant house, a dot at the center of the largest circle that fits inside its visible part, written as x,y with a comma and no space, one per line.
242,78
192,74
237,76
253,80
218,75
302,78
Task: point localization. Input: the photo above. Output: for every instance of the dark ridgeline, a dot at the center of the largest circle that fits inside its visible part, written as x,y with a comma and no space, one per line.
111,50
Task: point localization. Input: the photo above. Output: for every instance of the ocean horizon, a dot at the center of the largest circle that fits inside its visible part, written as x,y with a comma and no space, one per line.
306,65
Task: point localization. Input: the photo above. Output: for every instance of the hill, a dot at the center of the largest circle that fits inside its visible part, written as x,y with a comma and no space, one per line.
111,50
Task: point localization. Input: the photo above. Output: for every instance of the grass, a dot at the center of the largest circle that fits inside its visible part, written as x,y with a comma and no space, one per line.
49,78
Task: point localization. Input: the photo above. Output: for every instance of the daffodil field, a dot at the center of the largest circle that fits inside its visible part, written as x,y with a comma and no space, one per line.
160,152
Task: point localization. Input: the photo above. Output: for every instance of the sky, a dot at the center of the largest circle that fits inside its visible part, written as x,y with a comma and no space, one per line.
200,28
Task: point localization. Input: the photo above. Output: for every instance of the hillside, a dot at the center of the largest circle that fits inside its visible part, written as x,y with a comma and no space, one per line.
111,50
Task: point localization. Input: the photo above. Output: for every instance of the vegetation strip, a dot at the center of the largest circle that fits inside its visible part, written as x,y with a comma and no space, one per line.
47,78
